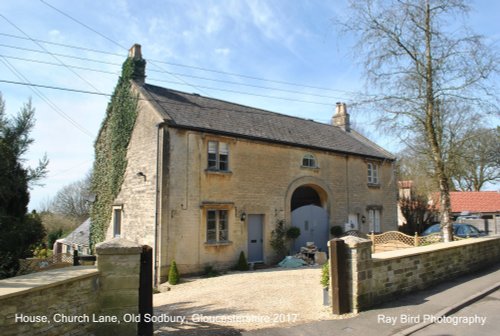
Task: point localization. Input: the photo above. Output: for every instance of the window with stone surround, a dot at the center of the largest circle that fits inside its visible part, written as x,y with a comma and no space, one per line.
217,226
218,156
373,178
309,161
374,215
117,221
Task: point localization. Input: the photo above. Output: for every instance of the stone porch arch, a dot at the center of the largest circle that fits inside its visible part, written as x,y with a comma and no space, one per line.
324,192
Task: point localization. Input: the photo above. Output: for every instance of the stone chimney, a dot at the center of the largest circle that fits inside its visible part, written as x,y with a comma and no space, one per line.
139,64
341,117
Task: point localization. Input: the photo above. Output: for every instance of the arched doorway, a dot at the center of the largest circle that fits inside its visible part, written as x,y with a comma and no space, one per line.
309,215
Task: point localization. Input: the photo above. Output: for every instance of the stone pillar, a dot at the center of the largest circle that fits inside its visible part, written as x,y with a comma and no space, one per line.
359,272
118,262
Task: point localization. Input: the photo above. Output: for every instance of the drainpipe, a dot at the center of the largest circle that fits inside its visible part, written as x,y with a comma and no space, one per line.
157,198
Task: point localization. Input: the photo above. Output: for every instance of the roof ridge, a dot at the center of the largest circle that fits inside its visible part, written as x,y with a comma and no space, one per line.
241,105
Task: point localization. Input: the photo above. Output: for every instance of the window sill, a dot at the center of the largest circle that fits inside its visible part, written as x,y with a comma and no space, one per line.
218,172
374,185
307,167
220,243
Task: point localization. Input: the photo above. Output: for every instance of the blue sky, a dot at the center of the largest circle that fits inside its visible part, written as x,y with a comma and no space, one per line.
282,40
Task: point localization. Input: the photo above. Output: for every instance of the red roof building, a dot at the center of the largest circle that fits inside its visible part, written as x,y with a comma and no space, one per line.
475,202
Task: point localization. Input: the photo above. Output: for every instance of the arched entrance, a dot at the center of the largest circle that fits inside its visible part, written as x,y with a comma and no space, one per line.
308,213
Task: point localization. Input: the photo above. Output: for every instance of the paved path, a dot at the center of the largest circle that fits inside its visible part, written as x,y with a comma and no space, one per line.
401,316
479,319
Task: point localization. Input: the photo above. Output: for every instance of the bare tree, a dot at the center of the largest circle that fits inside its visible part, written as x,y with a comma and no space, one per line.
428,73
73,200
478,163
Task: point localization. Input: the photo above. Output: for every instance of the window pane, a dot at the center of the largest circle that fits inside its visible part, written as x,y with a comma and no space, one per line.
309,161
223,219
212,147
117,222
377,220
212,161
223,225
223,148
223,162
211,235
211,221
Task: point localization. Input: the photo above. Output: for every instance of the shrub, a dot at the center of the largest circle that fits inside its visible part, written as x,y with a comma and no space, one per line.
242,263
325,275
293,232
336,231
173,274
278,239
210,272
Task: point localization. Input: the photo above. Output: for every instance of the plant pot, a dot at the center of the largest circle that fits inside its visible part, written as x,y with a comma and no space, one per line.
326,296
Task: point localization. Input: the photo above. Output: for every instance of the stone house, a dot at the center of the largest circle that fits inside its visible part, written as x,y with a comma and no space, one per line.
207,179
77,240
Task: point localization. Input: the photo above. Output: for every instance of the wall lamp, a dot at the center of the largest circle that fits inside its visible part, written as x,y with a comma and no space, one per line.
141,174
243,216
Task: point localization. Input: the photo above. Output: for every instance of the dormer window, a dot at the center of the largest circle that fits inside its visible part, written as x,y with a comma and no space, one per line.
309,161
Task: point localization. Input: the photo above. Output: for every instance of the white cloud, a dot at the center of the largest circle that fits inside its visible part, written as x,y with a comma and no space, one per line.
222,51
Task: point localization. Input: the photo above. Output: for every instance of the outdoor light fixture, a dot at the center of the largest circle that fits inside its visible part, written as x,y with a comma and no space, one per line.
141,174
243,216
363,219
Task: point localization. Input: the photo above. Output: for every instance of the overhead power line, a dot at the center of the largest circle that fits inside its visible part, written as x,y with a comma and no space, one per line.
194,67
254,111
267,88
47,100
48,52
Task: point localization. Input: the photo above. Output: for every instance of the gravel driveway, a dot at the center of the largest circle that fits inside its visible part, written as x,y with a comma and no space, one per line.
237,301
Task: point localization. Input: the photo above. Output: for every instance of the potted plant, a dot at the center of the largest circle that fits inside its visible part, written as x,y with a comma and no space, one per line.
325,282
336,231
293,233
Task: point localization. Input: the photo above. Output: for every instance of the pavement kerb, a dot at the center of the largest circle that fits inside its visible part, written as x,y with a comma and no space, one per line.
450,310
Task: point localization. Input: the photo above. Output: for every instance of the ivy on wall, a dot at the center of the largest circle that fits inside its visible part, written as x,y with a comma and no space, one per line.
111,149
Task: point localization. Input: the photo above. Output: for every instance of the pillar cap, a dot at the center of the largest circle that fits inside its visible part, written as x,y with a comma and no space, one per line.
118,245
352,241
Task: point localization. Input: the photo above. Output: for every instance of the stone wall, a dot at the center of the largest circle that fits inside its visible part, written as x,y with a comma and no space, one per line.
48,296
261,181
137,193
373,279
81,300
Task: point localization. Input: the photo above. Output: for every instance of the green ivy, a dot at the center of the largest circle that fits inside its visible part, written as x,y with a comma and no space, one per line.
111,149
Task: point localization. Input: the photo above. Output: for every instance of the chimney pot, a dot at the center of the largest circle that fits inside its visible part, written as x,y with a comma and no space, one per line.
135,52
341,117
139,74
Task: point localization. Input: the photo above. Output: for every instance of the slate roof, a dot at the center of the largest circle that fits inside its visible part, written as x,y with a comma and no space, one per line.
193,111
475,201
79,236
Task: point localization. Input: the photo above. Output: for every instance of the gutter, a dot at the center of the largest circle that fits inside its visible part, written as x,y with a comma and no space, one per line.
281,142
157,198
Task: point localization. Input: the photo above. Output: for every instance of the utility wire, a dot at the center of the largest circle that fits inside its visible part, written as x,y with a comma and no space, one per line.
40,94
190,66
267,88
254,110
113,41
48,52
63,45
57,54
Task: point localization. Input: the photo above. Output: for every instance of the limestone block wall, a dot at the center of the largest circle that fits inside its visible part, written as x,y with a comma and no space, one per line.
36,304
261,180
81,300
376,278
137,194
